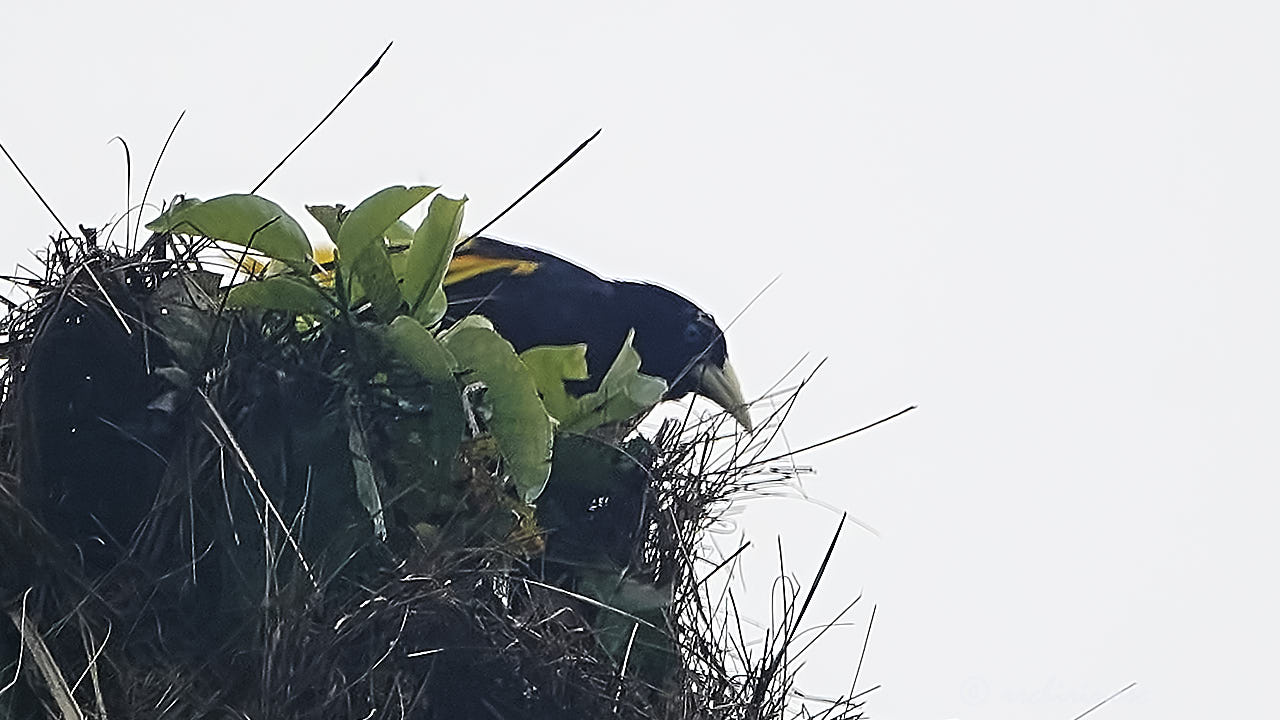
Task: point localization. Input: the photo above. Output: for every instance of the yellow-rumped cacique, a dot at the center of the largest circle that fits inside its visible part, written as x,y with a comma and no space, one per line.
534,298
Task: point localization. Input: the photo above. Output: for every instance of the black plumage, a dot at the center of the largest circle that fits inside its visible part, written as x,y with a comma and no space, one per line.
534,298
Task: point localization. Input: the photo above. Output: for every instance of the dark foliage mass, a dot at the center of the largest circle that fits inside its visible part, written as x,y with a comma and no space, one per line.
182,535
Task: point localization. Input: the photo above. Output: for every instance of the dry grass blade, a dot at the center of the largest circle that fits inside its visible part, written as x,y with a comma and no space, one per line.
128,185
245,464
45,663
133,241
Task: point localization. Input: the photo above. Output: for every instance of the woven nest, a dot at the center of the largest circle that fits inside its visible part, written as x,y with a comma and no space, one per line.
183,537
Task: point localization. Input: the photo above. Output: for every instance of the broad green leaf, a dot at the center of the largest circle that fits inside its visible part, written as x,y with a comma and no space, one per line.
397,260
362,251
467,323
624,377
520,425
400,233
429,256
550,366
330,216
288,293
424,444
624,391
634,625
366,472
434,309
419,349
246,220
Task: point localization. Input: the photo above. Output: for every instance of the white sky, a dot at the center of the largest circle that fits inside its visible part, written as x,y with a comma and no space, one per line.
1049,224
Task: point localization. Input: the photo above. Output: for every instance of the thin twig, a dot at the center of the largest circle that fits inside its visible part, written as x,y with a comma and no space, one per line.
34,190
1108,699
791,624
323,120
817,578
828,441
865,641
154,169
535,186
110,303
590,601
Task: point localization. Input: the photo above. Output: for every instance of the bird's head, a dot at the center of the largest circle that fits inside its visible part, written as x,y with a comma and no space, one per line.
682,344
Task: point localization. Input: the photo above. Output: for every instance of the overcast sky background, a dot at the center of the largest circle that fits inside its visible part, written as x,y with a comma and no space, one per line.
1051,225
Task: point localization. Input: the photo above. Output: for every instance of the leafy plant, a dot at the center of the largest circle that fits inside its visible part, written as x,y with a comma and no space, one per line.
247,220
623,392
518,421
389,276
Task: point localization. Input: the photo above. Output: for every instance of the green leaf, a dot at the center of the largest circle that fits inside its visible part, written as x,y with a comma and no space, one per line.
289,293
246,220
400,233
330,216
635,624
520,425
418,348
424,444
366,472
550,366
434,309
624,391
428,258
362,251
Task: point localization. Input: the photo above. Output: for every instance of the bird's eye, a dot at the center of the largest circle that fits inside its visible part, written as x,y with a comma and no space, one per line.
692,333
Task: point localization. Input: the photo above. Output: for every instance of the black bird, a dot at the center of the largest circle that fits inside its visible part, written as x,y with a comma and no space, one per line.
534,298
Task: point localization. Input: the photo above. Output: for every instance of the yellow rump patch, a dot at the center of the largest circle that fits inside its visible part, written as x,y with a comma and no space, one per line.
465,267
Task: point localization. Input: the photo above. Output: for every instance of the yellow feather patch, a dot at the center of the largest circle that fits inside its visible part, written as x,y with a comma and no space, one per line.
462,267
324,256
253,266
465,267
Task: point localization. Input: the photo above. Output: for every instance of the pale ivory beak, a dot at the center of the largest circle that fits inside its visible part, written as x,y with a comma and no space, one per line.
720,386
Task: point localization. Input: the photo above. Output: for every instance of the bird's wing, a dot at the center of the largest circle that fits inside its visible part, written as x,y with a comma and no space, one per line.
485,256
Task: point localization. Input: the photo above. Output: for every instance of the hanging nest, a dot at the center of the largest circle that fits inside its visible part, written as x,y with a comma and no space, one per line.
213,509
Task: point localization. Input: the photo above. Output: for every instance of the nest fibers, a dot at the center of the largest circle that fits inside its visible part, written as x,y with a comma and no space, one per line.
183,538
